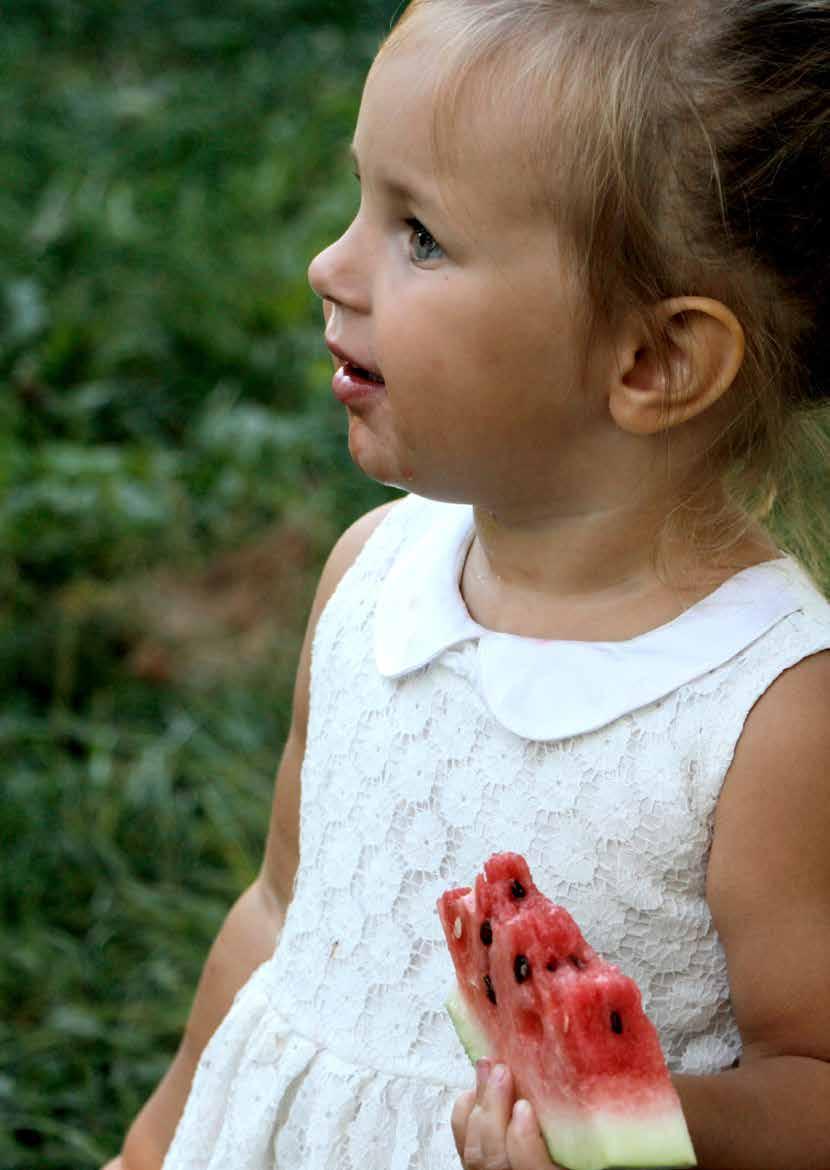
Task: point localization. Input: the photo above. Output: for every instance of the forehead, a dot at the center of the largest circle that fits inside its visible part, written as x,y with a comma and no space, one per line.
470,132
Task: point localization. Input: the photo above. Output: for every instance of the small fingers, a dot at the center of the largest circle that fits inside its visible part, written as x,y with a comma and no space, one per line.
493,1131
460,1119
464,1107
526,1148
484,1140
497,1105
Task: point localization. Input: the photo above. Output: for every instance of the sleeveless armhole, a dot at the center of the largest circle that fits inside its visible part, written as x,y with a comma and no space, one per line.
733,694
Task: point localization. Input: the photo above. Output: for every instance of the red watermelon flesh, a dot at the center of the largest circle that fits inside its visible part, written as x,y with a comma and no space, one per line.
532,994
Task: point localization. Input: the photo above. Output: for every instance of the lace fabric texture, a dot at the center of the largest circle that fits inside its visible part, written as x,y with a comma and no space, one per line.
338,1052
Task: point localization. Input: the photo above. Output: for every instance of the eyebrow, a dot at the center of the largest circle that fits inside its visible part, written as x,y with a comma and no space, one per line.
393,186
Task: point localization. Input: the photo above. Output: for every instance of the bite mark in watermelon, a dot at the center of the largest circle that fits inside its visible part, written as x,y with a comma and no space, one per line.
532,994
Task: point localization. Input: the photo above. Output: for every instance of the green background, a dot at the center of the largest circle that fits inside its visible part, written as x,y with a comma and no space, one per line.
172,472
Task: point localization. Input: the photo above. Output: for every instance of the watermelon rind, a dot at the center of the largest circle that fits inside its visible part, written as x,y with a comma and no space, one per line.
476,1044
601,1139
609,1141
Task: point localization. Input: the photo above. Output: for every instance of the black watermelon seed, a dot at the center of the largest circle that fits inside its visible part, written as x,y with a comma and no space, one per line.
551,965
488,985
616,1023
521,968
580,964
517,889
486,933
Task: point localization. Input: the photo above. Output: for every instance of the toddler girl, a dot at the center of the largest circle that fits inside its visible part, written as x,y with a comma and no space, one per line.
580,315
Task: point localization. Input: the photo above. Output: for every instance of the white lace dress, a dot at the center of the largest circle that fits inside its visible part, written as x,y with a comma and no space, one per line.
432,744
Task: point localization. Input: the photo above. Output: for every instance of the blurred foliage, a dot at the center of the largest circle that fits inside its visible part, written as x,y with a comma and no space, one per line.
169,169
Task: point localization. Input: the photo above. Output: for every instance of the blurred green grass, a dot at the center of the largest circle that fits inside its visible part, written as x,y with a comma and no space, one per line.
170,168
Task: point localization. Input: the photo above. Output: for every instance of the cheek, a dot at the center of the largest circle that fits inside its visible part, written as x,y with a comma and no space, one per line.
509,336
421,368
467,345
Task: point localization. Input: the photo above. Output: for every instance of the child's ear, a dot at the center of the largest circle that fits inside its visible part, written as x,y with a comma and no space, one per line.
705,349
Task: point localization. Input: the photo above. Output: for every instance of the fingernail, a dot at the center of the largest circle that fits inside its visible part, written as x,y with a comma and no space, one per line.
522,1113
499,1074
482,1073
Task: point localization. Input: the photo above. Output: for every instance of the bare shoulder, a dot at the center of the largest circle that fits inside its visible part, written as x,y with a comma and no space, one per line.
776,797
768,882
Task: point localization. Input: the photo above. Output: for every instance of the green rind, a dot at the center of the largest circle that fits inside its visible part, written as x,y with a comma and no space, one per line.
475,1042
602,1140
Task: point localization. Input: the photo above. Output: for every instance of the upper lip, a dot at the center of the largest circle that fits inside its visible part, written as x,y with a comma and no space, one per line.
352,361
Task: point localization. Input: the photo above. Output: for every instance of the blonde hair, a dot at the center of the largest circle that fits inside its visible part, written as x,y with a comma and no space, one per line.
684,146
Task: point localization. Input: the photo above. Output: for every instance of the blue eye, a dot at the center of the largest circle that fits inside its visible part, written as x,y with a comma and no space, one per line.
424,246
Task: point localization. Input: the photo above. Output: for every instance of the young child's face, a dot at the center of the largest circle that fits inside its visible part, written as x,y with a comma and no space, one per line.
451,285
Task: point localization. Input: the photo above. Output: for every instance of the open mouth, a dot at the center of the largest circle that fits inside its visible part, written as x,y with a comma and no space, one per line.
360,373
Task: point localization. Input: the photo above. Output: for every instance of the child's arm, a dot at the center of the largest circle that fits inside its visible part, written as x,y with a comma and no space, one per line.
769,891
249,933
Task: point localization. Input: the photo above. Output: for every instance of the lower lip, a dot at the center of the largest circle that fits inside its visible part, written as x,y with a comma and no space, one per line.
350,389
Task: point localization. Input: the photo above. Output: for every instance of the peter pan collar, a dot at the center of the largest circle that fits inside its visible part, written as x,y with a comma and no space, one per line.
550,690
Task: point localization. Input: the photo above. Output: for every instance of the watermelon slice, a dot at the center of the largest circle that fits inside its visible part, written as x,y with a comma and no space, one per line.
532,994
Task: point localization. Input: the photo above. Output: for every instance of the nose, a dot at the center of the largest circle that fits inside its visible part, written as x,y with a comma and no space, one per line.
339,273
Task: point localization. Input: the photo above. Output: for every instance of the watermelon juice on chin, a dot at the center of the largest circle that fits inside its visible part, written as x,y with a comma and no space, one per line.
533,995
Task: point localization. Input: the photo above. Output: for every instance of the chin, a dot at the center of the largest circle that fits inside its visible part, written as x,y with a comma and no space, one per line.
381,461
373,458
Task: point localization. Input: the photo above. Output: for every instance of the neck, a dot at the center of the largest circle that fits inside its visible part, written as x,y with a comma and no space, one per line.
524,567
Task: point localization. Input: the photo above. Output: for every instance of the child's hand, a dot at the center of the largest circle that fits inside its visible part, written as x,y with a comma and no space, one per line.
492,1130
